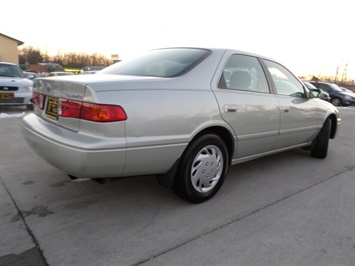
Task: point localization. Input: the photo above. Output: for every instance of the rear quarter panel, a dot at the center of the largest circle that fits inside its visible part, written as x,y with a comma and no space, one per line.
161,123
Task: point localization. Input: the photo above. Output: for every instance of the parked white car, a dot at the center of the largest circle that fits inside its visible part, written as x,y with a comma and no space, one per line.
174,113
15,88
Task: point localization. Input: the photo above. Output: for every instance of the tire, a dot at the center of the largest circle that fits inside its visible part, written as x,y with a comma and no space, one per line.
29,107
336,101
202,169
320,147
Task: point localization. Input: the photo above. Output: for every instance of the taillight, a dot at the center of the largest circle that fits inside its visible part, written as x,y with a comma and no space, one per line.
38,99
67,108
102,113
80,110
90,111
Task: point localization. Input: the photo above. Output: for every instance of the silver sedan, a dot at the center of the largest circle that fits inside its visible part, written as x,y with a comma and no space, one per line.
183,114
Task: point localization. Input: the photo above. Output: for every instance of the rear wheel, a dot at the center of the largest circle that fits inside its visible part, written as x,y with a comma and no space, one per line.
202,169
320,148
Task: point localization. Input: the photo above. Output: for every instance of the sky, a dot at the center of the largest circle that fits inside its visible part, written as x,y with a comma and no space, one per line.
310,37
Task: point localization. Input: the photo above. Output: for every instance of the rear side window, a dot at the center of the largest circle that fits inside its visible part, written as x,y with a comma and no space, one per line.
285,82
245,73
325,87
170,62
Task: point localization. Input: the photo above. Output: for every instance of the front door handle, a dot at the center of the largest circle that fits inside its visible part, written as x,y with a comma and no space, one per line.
230,108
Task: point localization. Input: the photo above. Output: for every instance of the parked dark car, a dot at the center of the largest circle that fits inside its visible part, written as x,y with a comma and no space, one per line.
337,96
321,94
346,90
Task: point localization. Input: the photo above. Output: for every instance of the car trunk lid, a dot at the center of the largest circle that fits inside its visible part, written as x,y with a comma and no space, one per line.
50,93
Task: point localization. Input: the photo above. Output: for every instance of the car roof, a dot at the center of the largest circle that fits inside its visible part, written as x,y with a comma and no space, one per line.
214,49
324,82
7,63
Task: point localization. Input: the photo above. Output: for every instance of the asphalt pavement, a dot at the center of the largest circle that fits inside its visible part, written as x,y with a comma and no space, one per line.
285,209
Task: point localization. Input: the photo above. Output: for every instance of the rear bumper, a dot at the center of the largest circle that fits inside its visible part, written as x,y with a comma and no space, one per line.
77,154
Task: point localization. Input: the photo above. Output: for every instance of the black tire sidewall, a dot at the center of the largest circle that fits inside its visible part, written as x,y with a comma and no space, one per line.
183,183
320,149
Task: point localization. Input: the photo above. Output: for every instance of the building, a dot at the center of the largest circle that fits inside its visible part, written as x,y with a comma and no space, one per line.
8,49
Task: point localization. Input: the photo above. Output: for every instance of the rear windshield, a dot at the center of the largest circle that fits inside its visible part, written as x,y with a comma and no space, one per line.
11,71
170,62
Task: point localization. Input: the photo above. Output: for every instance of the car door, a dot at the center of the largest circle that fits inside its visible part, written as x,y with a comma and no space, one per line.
300,116
247,105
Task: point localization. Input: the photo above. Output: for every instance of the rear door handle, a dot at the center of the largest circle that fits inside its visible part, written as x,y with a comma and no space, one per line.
286,109
230,108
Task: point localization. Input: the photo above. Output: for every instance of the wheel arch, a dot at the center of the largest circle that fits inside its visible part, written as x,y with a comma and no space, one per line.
168,178
334,125
225,136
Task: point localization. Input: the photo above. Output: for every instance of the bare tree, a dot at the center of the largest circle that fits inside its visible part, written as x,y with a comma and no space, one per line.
31,55
336,74
46,56
345,73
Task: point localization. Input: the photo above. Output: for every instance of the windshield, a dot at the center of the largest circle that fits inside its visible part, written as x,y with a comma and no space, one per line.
335,87
309,85
170,62
11,71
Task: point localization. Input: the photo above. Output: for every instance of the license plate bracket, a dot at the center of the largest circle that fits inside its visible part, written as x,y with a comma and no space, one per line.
52,108
7,96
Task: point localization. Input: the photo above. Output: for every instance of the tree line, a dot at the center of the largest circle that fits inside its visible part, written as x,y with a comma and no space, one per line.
33,55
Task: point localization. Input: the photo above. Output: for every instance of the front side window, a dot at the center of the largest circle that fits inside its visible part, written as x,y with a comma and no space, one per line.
245,73
285,82
170,62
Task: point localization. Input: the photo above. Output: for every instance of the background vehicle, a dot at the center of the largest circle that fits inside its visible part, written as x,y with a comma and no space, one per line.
15,88
346,90
337,96
59,73
173,113
88,72
30,75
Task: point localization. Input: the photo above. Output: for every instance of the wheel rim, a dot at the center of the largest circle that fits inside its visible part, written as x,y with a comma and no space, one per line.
336,102
207,169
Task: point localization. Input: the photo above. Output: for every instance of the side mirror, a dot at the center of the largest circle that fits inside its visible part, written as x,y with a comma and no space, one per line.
315,93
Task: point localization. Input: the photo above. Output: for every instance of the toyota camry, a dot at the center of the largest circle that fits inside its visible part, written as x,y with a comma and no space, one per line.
182,114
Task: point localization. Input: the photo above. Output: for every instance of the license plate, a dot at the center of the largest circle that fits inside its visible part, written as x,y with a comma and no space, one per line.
6,96
52,108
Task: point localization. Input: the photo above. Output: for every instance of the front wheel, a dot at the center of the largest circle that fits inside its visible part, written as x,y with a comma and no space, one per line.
320,148
336,102
202,169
